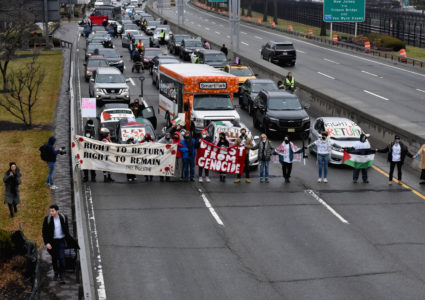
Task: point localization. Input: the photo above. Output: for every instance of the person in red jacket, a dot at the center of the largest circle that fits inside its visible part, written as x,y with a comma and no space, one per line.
179,158
148,139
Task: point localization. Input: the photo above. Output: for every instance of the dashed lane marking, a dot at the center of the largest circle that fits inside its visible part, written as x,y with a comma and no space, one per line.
245,43
376,95
420,90
132,82
331,61
217,32
323,74
328,207
211,209
258,37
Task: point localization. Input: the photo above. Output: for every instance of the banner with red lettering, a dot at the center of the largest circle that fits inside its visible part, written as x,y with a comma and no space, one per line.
225,160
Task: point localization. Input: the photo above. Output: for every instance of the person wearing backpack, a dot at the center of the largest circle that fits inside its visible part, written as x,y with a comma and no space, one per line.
48,154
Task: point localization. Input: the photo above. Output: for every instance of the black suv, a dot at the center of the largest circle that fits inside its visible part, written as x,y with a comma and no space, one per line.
250,89
279,52
214,58
188,46
280,112
174,42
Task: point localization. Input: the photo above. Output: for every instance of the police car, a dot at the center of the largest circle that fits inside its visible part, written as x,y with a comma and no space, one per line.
232,129
342,131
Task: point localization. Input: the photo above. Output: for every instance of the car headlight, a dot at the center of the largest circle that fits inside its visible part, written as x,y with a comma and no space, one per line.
120,62
273,119
98,90
306,119
125,90
88,72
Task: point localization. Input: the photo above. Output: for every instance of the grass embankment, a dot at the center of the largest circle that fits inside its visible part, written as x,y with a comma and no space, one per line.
21,146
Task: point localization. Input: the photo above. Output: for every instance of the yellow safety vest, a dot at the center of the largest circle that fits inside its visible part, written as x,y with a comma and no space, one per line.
290,83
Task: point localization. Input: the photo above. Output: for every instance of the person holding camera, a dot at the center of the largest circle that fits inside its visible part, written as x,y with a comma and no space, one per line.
51,154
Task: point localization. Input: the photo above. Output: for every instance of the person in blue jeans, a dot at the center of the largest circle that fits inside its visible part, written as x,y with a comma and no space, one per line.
187,148
265,151
51,160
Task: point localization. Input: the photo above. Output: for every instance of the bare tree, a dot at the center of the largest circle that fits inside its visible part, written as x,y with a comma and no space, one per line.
24,91
266,8
275,11
15,21
249,4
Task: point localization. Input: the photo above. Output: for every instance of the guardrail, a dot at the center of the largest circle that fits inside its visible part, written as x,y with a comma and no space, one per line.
328,42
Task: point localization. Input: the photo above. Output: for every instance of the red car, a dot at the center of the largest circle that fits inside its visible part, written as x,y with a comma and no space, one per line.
149,54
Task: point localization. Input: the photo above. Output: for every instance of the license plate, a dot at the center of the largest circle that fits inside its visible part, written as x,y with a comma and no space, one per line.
113,97
284,53
291,129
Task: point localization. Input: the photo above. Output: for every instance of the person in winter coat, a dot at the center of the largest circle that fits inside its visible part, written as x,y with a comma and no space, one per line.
12,180
187,148
363,143
323,150
421,152
245,142
222,142
56,237
208,139
105,136
179,156
265,151
131,177
286,152
89,131
51,160
148,139
166,139
397,152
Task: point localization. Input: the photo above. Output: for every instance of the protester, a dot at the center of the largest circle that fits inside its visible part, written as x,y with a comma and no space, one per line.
208,139
323,149
132,48
265,150
246,142
51,154
207,45
286,152
89,131
179,156
363,143
224,50
187,148
222,142
131,177
137,59
12,180
136,108
421,152
166,139
56,237
397,152
106,138
148,139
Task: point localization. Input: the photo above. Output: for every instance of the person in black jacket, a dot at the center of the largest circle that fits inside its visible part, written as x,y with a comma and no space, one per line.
397,152
12,180
208,139
56,238
89,132
222,142
51,160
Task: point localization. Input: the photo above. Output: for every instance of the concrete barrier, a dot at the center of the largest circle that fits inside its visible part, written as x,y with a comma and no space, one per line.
328,102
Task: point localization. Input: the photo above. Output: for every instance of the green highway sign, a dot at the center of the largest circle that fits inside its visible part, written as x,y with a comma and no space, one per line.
344,10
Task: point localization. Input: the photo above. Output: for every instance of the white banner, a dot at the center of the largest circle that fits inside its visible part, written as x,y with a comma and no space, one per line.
140,159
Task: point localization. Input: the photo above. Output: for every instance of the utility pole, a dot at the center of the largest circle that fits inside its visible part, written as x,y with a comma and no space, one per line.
46,23
234,21
180,12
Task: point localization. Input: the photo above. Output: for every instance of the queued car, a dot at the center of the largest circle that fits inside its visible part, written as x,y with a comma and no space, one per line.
111,115
250,89
174,42
113,58
135,128
151,26
279,52
126,40
149,54
156,62
280,112
92,64
157,33
242,72
100,38
91,48
188,46
145,21
341,131
108,84
214,58
232,129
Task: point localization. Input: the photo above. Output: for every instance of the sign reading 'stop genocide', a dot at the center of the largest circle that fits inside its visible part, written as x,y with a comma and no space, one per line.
344,10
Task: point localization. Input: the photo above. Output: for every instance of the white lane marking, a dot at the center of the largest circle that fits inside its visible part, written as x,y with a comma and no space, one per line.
369,73
206,28
132,82
420,90
213,22
326,75
258,37
376,95
244,32
221,25
244,43
301,51
328,207
228,36
192,22
317,46
125,67
78,50
211,209
217,32
199,25
331,61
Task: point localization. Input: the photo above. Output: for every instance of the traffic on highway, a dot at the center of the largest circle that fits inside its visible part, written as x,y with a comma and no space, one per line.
205,178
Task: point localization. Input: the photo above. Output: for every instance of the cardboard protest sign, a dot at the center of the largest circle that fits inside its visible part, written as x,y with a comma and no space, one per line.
339,129
226,160
140,159
88,107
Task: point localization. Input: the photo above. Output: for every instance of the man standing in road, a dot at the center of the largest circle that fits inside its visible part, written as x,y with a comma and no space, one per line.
397,152
265,150
363,143
246,142
55,236
224,50
106,138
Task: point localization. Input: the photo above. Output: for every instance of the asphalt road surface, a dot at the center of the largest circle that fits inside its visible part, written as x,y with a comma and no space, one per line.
393,89
303,240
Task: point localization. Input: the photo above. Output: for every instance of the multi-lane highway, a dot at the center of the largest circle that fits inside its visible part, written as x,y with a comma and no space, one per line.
303,240
392,89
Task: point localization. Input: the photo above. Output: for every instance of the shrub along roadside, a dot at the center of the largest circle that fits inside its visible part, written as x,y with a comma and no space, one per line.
21,146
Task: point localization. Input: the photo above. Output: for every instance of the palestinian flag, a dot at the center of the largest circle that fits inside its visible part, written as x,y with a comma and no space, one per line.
359,158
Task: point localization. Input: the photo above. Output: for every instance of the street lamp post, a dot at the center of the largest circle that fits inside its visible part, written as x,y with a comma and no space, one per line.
234,21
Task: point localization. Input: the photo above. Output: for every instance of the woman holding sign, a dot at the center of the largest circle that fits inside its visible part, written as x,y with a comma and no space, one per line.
222,142
208,139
